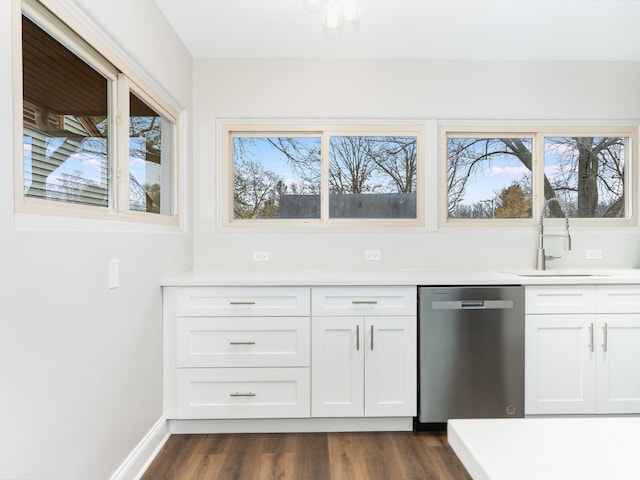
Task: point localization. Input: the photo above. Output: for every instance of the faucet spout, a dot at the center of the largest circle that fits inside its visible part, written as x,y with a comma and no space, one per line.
541,257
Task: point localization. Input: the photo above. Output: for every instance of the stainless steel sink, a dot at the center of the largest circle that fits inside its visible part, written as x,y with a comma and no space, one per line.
558,273
562,275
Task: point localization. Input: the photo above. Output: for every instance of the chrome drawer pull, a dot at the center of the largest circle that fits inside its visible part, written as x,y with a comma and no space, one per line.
364,302
242,303
238,394
242,343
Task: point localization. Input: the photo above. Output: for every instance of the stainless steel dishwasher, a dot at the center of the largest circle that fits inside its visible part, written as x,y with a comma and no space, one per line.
471,352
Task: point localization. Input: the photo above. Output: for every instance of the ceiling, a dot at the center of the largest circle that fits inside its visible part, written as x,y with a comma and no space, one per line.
413,29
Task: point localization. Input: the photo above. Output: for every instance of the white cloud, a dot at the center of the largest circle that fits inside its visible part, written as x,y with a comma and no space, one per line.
507,171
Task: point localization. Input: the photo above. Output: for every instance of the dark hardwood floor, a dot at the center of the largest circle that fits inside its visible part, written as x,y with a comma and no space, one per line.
307,456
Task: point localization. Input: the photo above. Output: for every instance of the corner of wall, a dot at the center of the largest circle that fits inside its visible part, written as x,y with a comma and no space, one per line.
144,453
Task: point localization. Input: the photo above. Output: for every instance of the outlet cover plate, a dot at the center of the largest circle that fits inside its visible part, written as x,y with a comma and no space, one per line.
593,254
260,256
372,255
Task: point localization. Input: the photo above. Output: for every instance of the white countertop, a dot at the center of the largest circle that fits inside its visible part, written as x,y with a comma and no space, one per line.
548,448
402,277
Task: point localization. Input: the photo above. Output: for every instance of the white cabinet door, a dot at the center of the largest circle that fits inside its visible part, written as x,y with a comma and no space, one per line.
363,366
560,364
337,382
390,367
618,369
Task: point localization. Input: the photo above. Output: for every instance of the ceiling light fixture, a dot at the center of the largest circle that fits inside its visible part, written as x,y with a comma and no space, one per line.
340,16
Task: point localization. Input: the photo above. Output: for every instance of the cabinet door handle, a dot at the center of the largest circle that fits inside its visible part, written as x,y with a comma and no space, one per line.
238,394
358,337
241,303
591,337
371,337
242,343
364,302
605,331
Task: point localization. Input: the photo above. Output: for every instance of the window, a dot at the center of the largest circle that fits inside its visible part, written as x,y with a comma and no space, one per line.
150,152
276,177
323,175
372,176
587,174
66,127
489,177
74,152
505,177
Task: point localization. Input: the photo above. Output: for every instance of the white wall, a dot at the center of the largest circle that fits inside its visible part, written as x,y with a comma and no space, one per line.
428,91
80,364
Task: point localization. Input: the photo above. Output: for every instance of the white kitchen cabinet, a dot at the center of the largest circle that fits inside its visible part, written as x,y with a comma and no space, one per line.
237,352
559,364
618,349
618,363
364,352
243,393
243,342
582,350
337,379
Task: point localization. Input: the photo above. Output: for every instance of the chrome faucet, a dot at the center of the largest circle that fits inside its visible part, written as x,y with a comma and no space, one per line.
541,257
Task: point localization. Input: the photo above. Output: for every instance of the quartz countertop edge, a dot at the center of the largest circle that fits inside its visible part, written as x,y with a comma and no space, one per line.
592,448
401,277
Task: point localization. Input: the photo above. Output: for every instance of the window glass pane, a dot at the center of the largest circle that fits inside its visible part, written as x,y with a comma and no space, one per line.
586,174
150,150
65,123
372,176
489,177
276,177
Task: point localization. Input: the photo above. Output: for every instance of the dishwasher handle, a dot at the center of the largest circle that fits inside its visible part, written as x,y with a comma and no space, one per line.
472,305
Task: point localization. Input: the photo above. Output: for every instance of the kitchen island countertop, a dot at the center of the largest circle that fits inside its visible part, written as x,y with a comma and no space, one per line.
592,448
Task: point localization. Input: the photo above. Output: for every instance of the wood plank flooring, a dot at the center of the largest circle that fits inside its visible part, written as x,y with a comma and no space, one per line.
308,456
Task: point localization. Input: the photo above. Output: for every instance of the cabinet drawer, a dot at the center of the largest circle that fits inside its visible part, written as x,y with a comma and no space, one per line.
361,301
243,342
242,301
243,392
560,299
618,299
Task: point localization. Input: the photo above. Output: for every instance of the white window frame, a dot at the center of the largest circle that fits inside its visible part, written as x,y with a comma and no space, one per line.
325,132
168,178
120,84
538,134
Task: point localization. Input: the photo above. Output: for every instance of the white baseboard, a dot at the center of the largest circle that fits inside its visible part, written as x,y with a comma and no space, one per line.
141,457
272,425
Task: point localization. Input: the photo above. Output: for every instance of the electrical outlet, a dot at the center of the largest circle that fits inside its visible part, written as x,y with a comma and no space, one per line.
260,256
593,254
372,255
